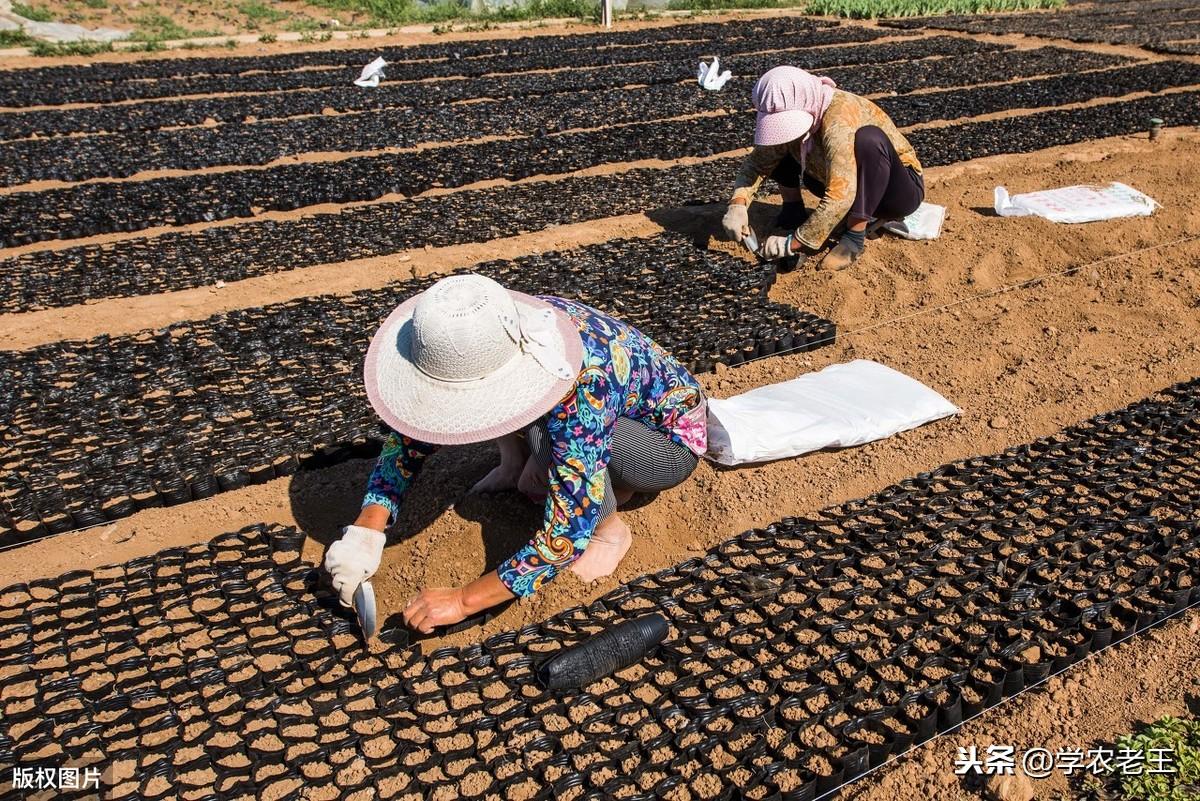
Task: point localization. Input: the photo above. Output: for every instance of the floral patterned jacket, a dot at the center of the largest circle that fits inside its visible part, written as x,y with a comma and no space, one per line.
830,161
624,374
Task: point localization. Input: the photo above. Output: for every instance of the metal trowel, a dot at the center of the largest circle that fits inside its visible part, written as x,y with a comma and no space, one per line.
364,606
750,240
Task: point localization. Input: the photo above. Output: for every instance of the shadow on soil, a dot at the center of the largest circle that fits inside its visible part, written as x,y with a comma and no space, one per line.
325,500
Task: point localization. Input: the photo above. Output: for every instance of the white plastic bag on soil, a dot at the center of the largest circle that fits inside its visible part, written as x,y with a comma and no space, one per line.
843,405
1077,204
924,223
711,77
371,74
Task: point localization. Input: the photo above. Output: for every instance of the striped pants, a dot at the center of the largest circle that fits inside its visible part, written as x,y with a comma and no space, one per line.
642,459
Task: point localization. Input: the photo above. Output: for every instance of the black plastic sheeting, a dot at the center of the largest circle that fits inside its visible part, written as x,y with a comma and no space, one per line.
96,430
81,158
799,656
1129,23
394,94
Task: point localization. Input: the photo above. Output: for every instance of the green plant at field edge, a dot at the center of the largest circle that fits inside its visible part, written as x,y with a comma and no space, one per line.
156,27
1182,737
40,48
35,13
17,38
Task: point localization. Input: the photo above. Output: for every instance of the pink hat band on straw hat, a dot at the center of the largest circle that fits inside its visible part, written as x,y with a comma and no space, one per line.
790,102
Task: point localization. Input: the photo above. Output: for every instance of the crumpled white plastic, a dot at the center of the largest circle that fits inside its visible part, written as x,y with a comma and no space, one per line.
1077,204
710,77
371,74
843,405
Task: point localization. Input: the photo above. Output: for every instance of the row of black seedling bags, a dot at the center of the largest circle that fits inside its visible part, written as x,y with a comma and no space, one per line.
97,430
89,157
276,106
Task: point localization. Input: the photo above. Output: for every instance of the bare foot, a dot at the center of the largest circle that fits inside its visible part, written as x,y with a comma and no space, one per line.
608,546
505,475
500,478
534,481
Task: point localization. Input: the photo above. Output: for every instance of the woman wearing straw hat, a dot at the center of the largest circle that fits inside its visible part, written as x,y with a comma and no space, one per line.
843,147
585,409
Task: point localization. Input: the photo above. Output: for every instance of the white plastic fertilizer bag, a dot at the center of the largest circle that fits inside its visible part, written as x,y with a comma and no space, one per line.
924,223
842,405
1077,204
371,74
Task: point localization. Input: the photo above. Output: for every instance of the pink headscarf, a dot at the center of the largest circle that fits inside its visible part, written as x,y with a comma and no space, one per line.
790,102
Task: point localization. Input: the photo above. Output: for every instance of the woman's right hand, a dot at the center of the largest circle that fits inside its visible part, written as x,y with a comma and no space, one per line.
353,559
736,221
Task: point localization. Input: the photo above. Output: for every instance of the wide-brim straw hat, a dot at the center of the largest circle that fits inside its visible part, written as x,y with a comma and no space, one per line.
468,360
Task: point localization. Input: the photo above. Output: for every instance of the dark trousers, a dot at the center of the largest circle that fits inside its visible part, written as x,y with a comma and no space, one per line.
887,188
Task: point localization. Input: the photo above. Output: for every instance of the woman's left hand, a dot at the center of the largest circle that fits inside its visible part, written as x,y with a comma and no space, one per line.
435,606
778,247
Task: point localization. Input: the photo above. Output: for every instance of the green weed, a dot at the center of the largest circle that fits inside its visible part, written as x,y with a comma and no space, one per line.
302,24
1182,737
258,13
40,48
156,27
406,12
16,38
268,38
96,3
35,13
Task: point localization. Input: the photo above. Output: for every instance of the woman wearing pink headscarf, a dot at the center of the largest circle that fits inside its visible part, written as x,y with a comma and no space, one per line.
843,147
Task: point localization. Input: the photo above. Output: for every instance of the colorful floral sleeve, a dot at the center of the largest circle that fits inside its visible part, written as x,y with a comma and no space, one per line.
580,431
397,466
758,164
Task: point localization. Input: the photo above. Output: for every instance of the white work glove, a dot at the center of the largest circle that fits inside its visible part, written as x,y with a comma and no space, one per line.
353,559
736,221
777,247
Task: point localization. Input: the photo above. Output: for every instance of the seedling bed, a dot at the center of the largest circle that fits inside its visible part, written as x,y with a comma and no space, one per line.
405,57
130,267
81,158
22,95
156,114
90,209
1140,24
96,430
401,55
227,669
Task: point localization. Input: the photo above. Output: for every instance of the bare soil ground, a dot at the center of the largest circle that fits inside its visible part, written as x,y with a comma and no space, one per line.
1026,325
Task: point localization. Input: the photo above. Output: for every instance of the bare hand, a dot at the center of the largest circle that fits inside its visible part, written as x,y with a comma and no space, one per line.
435,606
